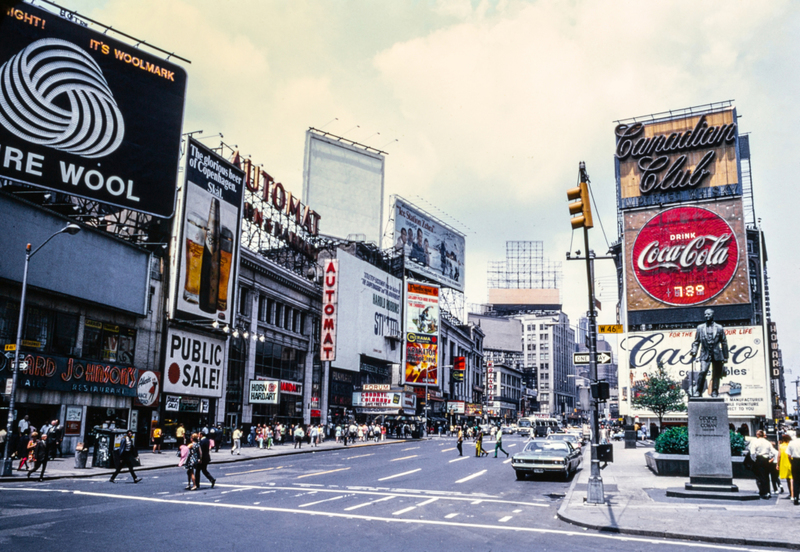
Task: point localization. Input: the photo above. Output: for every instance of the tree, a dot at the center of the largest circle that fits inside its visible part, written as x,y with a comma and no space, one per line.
660,394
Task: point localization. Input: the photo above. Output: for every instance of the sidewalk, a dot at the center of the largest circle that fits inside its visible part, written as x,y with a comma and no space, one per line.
636,504
63,468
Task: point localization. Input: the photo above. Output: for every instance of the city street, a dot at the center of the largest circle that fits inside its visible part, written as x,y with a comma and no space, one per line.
405,496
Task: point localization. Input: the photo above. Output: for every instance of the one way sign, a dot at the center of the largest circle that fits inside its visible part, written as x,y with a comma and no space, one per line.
583,358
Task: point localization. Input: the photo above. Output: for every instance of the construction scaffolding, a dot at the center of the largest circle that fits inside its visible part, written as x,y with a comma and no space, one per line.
524,268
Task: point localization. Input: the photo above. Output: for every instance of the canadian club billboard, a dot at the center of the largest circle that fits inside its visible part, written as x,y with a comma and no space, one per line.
205,267
686,256
422,334
87,115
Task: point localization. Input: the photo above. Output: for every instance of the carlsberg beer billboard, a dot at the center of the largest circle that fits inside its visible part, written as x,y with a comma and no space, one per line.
87,115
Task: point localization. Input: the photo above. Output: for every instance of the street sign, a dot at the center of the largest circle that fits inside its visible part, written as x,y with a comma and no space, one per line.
609,328
11,347
579,359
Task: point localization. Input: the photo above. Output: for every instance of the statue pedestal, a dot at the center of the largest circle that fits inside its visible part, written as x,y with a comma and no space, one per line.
710,469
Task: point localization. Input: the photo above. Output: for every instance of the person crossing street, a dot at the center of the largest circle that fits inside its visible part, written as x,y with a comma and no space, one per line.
498,445
127,456
460,441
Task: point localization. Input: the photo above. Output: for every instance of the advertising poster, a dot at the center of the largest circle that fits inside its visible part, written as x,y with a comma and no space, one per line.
193,364
744,385
422,334
209,240
88,115
436,250
264,392
687,256
368,313
677,158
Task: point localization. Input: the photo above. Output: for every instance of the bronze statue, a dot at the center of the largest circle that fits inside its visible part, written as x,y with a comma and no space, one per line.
710,340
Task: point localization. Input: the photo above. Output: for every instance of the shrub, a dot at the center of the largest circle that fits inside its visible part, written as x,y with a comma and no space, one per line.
675,440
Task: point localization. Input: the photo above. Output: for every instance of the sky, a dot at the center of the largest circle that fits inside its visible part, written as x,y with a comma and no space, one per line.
485,108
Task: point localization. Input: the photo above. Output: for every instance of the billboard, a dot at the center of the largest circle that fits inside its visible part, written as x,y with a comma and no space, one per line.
436,250
345,184
689,157
422,334
264,392
744,386
194,364
368,313
207,258
87,115
686,256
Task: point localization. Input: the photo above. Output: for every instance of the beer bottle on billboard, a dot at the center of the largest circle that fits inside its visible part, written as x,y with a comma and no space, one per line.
225,259
209,275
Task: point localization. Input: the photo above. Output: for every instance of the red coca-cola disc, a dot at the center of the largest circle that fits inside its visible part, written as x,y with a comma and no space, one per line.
685,256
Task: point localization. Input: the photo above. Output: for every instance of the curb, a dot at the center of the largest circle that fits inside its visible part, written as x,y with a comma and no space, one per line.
292,452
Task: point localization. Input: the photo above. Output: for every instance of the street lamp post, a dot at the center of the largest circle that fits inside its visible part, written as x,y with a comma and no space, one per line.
70,229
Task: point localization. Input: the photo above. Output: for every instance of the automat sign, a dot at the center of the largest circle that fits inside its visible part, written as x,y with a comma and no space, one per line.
194,364
330,303
87,115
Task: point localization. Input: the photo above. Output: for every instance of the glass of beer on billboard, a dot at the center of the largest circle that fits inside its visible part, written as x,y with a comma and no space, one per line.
195,241
225,258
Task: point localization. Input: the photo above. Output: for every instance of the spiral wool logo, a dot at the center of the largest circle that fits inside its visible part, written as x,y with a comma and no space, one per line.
53,94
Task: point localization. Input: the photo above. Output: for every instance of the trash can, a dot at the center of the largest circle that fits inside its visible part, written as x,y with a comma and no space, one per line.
81,457
106,442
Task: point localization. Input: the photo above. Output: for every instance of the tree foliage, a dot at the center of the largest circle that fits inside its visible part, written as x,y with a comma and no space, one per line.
660,394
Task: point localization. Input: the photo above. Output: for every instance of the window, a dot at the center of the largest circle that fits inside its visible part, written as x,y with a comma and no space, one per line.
108,342
46,331
544,337
544,356
270,314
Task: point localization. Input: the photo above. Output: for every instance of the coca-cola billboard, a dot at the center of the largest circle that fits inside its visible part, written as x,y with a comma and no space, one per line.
687,256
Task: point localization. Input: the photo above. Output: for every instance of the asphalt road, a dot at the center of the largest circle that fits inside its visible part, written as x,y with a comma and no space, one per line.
403,497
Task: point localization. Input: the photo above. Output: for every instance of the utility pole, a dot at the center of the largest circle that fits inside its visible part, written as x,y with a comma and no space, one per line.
581,206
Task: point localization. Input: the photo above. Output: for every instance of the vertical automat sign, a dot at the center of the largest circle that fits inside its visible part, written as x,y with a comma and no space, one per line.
330,302
422,334
87,115
209,235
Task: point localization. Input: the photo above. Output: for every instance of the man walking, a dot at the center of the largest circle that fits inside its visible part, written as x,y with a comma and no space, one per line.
793,452
127,455
762,453
237,441
460,441
205,459
39,456
299,435
498,445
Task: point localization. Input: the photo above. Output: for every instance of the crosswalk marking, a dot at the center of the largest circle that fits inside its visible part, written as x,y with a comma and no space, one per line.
321,473
504,519
400,474
448,450
320,501
357,506
403,511
403,458
428,501
459,458
451,516
473,476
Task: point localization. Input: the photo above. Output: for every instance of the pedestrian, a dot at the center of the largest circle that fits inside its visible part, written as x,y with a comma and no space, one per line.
299,434
493,433
383,432
793,452
251,437
313,433
188,460
762,453
219,437
127,457
283,433
40,455
54,432
180,435
25,449
498,445
785,464
479,451
24,425
460,441
156,438
237,441
204,449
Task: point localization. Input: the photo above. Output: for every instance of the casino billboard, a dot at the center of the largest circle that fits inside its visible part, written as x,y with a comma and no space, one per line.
87,115
677,158
686,256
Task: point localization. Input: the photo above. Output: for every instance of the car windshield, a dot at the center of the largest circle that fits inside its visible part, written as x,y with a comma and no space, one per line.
546,446
561,437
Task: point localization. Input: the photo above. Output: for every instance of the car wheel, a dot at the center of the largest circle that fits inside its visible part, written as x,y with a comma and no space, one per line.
520,475
567,474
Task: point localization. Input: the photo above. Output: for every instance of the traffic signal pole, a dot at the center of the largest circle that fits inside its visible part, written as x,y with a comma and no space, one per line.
582,207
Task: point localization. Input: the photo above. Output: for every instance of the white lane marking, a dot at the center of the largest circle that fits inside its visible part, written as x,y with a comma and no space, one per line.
410,448
403,511
513,445
473,476
233,491
320,501
360,456
447,450
400,474
516,511
459,458
163,493
428,501
321,473
357,506
504,519
404,493
506,461
476,502
451,516
404,458
526,529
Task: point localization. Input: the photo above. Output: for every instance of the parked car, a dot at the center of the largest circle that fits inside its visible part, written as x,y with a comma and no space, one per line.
542,456
570,437
508,430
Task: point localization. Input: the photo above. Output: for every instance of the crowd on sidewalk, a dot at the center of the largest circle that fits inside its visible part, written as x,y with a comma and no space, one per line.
771,465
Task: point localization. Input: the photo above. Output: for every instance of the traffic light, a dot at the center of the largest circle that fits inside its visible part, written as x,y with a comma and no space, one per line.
580,206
